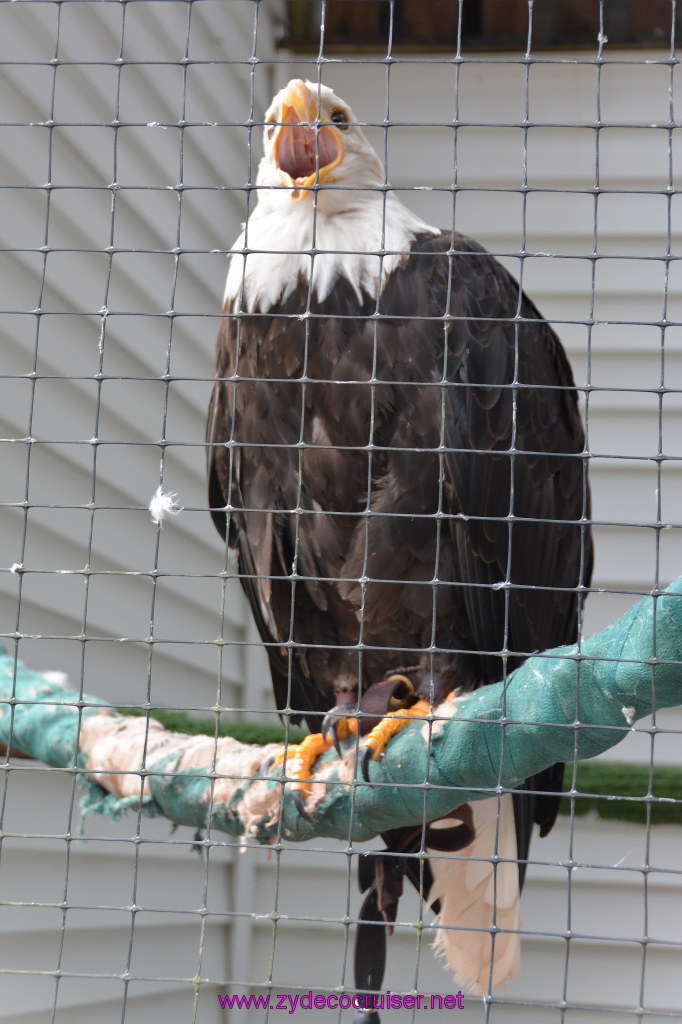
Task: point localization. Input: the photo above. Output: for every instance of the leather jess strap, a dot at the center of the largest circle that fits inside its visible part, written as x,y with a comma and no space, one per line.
381,876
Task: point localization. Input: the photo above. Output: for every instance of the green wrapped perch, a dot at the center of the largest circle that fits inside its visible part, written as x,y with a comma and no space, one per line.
560,705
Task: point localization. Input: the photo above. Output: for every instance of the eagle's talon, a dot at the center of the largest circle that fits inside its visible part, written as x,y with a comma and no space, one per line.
331,735
366,756
338,724
276,757
299,803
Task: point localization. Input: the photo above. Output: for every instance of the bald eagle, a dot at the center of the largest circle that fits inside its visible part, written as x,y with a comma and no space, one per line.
396,454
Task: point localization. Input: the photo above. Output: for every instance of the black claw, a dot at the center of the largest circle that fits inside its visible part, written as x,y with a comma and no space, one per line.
329,725
266,765
329,729
299,802
365,759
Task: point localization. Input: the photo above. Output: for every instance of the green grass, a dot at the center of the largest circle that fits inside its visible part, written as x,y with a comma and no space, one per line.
620,791
245,732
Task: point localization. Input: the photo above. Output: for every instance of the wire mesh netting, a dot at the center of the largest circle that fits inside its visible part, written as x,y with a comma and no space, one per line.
130,140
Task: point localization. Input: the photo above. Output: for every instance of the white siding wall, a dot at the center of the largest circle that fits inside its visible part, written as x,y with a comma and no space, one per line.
137,283
113,252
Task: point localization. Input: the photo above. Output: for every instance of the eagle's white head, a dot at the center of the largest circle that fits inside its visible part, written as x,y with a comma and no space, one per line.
323,209
313,145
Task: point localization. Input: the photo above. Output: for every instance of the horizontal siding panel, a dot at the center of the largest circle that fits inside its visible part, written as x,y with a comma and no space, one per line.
640,563
96,941
184,673
646,741
632,433
609,477
508,156
86,999
29,32
52,548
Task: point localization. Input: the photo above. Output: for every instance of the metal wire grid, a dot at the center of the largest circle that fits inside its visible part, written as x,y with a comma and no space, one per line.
137,837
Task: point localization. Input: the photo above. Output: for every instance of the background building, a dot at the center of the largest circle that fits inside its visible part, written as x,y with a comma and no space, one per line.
126,151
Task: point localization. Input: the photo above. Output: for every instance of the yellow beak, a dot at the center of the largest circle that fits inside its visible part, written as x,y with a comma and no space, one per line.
305,151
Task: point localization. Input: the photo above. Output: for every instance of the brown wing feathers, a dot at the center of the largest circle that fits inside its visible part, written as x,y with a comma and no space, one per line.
472,415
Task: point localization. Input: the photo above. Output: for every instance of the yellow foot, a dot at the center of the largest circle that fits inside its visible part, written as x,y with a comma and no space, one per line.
389,727
300,758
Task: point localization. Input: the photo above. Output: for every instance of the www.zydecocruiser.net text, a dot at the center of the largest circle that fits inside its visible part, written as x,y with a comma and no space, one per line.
307,1001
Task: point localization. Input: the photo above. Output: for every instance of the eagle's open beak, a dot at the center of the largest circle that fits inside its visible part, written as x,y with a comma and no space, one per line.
304,150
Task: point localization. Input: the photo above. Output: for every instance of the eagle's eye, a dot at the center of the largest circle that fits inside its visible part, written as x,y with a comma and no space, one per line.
340,118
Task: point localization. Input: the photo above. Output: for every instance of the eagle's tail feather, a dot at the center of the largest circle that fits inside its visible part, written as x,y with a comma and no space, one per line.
476,894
